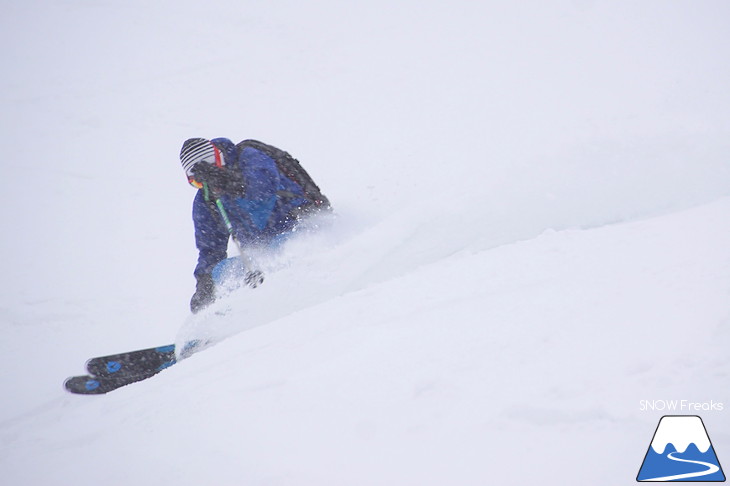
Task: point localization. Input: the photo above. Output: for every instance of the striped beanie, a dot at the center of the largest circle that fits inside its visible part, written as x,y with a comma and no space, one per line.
196,150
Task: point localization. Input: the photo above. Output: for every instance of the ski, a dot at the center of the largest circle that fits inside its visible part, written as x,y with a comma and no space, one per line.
133,362
98,385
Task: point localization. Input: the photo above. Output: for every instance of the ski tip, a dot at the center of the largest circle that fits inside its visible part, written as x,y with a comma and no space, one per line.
89,365
83,385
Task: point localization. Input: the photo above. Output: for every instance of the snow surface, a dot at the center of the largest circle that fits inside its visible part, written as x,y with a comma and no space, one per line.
532,237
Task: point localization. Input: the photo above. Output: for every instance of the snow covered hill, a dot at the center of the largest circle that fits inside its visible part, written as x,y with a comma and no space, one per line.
532,237
461,371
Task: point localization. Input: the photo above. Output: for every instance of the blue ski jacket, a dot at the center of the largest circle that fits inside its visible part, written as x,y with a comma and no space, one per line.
262,217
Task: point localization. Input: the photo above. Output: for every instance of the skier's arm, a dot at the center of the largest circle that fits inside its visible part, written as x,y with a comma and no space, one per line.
211,236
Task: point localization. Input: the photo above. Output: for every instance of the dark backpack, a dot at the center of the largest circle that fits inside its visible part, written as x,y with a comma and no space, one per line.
292,170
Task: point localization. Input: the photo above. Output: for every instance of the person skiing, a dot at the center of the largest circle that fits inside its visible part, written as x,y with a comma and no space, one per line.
252,192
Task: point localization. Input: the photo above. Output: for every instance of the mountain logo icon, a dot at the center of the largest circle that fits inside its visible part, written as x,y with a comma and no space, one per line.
680,451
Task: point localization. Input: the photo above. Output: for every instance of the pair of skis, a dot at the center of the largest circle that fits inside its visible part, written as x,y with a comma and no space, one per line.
107,373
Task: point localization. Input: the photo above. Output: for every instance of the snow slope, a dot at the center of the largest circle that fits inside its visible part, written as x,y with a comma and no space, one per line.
531,238
534,353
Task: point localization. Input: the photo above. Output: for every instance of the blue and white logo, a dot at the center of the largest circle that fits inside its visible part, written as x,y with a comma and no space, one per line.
681,451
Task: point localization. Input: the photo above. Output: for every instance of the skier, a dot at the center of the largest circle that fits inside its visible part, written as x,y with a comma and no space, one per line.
251,191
